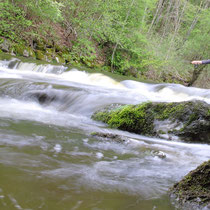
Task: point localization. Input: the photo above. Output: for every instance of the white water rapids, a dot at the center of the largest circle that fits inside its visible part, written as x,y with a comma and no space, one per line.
47,152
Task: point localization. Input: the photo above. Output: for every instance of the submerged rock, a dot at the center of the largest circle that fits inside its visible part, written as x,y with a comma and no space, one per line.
110,137
125,140
189,121
193,191
42,97
159,154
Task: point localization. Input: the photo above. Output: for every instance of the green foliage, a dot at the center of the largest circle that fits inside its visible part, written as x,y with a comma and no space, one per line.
109,23
83,50
142,36
49,10
196,46
12,21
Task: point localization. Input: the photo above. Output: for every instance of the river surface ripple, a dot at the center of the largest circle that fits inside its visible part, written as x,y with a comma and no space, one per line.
49,160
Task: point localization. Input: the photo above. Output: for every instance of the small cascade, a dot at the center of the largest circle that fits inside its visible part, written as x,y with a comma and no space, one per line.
83,93
96,79
17,64
168,92
47,141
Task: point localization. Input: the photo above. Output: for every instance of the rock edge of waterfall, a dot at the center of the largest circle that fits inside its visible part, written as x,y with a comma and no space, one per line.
188,121
193,191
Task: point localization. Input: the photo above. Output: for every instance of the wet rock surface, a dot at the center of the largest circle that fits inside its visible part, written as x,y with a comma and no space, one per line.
193,191
110,137
125,140
41,97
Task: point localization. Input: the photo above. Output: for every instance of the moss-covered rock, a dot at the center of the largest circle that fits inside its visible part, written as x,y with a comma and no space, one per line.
40,55
5,45
193,191
109,137
59,59
22,50
40,45
188,120
58,48
18,49
50,51
31,53
49,55
116,138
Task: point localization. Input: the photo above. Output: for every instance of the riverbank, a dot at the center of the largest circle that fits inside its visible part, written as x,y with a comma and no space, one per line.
137,38
47,53
54,54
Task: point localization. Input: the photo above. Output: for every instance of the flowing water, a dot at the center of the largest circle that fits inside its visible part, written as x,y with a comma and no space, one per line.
48,159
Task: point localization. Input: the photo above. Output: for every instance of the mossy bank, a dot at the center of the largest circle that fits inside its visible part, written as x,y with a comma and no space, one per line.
40,50
193,191
188,121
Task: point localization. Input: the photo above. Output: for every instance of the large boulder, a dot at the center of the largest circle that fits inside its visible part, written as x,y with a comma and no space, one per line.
193,191
189,121
5,45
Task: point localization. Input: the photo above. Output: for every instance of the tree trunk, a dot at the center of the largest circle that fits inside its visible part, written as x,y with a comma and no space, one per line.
196,18
115,48
160,3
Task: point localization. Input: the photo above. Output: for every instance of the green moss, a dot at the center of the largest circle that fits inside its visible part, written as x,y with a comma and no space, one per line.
67,57
32,53
40,45
140,118
19,49
130,118
192,117
58,48
22,50
50,51
1,40
195,185
162,132
101,116
40,55
166,111
59,59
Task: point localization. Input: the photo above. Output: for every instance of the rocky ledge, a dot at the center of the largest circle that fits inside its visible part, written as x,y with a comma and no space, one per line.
193,192
188,121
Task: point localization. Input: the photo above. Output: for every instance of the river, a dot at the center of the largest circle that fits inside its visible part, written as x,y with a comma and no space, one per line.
50,161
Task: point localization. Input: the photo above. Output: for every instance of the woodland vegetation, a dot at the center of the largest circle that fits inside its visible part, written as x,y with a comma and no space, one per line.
154,39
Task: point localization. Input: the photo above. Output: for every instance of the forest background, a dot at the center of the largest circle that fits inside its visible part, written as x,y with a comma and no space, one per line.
152,39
